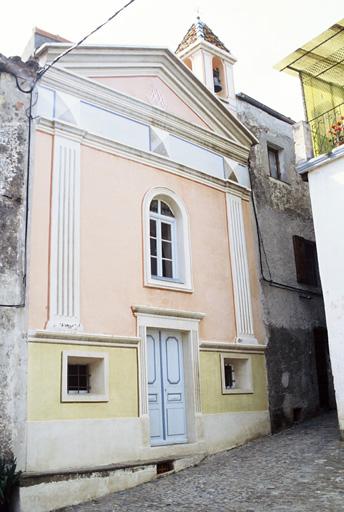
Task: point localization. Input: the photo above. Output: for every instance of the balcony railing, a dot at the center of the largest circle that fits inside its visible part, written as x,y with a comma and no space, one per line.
327,130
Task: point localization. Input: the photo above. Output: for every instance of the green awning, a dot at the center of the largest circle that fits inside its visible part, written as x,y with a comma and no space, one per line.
321,58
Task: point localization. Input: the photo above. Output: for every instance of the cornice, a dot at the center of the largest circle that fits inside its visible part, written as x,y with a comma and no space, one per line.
210,48
82,338
221,346
140,156
101,95
176,313
176,74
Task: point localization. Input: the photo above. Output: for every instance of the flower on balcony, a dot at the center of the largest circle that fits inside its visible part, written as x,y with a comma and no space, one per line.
336,132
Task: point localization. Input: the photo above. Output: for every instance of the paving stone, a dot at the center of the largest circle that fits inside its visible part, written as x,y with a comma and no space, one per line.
298,470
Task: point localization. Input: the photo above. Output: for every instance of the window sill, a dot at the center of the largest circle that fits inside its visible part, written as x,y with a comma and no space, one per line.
237,391
279,180
168,285
89,397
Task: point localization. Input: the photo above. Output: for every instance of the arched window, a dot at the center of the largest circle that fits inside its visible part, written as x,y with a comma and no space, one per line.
188,63
166,241
219,77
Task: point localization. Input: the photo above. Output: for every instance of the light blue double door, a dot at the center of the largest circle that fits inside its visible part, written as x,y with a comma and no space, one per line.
166,393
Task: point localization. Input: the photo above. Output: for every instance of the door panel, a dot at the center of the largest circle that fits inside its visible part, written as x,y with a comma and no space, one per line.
155,398
166,393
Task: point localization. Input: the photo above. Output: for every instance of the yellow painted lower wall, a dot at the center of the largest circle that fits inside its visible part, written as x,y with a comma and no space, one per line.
44,384
212,399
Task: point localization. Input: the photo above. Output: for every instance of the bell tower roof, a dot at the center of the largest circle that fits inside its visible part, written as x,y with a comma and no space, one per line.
197,32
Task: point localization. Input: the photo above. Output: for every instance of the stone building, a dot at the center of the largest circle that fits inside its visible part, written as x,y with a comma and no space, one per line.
299,374
319,66
14,156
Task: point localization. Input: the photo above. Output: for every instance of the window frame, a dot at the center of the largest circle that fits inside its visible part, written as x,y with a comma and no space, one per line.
182,280
243,373
98,365
306,261
159,218
277,154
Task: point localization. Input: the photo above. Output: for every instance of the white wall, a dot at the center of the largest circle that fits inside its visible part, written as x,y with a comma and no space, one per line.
326,185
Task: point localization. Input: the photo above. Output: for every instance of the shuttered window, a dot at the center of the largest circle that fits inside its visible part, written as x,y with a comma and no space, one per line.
306,261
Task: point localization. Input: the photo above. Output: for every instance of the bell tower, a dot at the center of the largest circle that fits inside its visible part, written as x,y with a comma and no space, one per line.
210,61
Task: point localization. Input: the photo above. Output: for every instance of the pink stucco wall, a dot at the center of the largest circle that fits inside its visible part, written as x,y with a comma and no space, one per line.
112,191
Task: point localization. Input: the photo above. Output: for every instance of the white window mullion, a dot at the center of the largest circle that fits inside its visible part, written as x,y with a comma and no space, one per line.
174,250
159,247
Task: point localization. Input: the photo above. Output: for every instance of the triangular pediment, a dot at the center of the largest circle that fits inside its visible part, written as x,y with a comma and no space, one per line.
156,77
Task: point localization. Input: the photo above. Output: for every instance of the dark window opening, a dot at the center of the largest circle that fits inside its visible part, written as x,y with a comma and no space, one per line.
297,414
164,467
306,261
78,379
274,163
229,376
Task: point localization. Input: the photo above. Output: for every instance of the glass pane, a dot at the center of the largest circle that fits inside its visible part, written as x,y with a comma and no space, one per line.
154,206
166,231
167,268
154,266
153,246
167,250
166,210
152,224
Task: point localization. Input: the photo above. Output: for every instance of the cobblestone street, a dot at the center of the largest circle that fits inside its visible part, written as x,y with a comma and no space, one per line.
298,470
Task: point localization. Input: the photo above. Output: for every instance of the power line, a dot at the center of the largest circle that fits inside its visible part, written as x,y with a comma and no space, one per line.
30,91
63,54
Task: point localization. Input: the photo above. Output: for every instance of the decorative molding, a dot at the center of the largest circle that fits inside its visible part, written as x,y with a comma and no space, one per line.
210,48
194,340
176,313
187,322
183,256
143,372
75,338
240,274
65,236
221,346
161,62
152,159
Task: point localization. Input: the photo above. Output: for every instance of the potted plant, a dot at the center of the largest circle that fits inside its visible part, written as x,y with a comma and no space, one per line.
336,132
9,479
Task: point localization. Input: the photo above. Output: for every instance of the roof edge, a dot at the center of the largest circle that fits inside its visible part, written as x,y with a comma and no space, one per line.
244,97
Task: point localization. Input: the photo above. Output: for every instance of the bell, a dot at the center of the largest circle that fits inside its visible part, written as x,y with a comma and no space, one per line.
217,81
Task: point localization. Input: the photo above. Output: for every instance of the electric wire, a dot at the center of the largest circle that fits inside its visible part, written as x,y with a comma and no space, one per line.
68,50
30,118
261,248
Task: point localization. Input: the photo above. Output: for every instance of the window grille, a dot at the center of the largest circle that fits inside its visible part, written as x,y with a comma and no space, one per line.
78,379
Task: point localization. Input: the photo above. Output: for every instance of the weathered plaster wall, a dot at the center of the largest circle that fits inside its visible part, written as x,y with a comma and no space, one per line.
13,175
283,210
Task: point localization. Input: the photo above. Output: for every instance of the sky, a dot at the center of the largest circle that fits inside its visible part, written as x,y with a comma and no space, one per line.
259,33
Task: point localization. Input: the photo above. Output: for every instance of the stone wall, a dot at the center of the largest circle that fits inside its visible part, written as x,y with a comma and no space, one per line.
14,144
283,210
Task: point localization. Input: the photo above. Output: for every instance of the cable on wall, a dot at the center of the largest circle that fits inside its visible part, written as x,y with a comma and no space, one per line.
261,251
